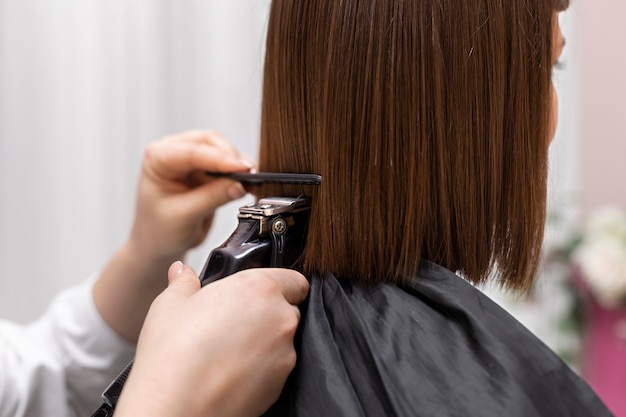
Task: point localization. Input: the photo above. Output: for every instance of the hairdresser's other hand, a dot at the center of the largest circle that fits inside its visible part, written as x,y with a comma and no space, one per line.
176,202
223,350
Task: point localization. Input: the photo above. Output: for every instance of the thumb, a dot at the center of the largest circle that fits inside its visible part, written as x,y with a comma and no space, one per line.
182,279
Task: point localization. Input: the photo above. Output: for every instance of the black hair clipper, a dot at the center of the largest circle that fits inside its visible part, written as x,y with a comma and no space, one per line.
271,233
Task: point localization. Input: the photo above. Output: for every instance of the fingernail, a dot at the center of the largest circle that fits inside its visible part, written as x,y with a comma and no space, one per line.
247,162
236,191
177,267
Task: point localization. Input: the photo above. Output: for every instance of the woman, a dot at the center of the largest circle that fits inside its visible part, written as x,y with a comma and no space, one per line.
430,122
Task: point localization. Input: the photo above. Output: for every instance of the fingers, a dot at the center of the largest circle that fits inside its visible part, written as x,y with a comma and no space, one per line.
206,198
292,285
177,156
182,279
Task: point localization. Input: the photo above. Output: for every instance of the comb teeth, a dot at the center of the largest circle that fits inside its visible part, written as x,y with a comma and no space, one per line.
258,178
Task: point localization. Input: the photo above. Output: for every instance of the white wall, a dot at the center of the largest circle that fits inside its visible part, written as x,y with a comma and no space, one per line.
84,86
564,177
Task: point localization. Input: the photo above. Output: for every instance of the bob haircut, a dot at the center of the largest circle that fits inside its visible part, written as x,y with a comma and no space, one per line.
429,122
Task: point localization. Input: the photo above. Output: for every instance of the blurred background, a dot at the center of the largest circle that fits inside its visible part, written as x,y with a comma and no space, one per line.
85,85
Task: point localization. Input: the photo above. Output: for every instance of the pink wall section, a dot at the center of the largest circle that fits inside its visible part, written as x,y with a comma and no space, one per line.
603,177
603,104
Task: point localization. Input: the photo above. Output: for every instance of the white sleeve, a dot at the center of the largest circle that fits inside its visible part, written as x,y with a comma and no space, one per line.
59,365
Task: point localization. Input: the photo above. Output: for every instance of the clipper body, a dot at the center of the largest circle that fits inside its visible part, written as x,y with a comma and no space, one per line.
270,233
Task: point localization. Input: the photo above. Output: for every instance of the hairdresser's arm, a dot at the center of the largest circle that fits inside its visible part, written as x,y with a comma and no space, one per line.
174,210
222,350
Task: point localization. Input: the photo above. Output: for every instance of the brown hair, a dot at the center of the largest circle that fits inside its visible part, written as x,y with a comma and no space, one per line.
429,122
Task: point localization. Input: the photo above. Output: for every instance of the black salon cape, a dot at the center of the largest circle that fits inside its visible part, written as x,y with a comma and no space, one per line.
436,348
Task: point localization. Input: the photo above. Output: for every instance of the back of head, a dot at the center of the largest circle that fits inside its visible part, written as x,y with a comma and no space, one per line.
428,120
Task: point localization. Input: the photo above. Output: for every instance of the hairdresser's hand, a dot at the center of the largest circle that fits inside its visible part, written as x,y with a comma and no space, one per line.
223,350
176,200
175,206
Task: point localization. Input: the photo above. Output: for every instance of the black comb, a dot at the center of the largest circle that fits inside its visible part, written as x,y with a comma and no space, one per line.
258,178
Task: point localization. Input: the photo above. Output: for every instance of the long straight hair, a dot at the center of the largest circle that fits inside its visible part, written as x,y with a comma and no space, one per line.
429,121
